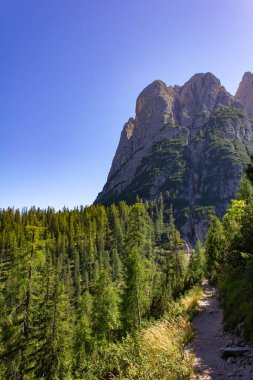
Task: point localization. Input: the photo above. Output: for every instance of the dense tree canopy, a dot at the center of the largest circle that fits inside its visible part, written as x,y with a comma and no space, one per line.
229,248
72,280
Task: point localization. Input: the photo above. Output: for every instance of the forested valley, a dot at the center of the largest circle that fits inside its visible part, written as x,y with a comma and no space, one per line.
79,289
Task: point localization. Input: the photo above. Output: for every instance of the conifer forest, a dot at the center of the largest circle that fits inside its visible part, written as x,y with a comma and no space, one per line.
78,287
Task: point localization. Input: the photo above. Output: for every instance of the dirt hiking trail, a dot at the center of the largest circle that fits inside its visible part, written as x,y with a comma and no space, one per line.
210,340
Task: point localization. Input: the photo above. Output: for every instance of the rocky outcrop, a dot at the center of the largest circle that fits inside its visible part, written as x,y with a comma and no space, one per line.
190,143
245,92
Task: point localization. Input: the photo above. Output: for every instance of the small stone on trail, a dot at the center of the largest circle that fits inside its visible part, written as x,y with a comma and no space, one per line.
231,360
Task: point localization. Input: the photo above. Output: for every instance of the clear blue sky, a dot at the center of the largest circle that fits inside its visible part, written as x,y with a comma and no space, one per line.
70,72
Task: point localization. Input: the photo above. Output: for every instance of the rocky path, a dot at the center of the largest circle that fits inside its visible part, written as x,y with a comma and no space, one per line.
211,344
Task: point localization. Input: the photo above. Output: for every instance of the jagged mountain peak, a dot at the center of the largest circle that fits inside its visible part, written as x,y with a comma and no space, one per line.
157,89
245,91
153,86
199,81
188,142
248,75
204,79
202,94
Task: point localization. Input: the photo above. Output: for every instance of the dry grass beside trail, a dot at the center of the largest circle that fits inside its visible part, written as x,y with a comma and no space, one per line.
191,300
161,352
167,334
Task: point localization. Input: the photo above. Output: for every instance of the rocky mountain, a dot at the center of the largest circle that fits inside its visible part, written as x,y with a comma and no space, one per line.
190,143
245,92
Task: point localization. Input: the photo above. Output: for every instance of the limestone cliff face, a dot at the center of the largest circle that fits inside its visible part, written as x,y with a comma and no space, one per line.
245,92
190,143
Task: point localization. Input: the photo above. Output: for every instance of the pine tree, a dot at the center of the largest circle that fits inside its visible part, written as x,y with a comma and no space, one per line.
246,188
115,238
54,335
137,230
249,170
106,316
175,259
196,270
159,225
83,334
77,277
116,266
135,292
19,305
215,248
247,229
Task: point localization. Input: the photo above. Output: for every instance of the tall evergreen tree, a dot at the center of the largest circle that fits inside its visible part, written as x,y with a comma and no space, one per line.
19,303
197,266
135,293
82,334
175,260
54,358
215,248
106,315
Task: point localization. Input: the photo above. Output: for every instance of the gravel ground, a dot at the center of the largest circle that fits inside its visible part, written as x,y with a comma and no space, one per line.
209,341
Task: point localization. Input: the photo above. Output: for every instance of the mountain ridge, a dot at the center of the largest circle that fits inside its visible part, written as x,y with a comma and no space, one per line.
168,147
